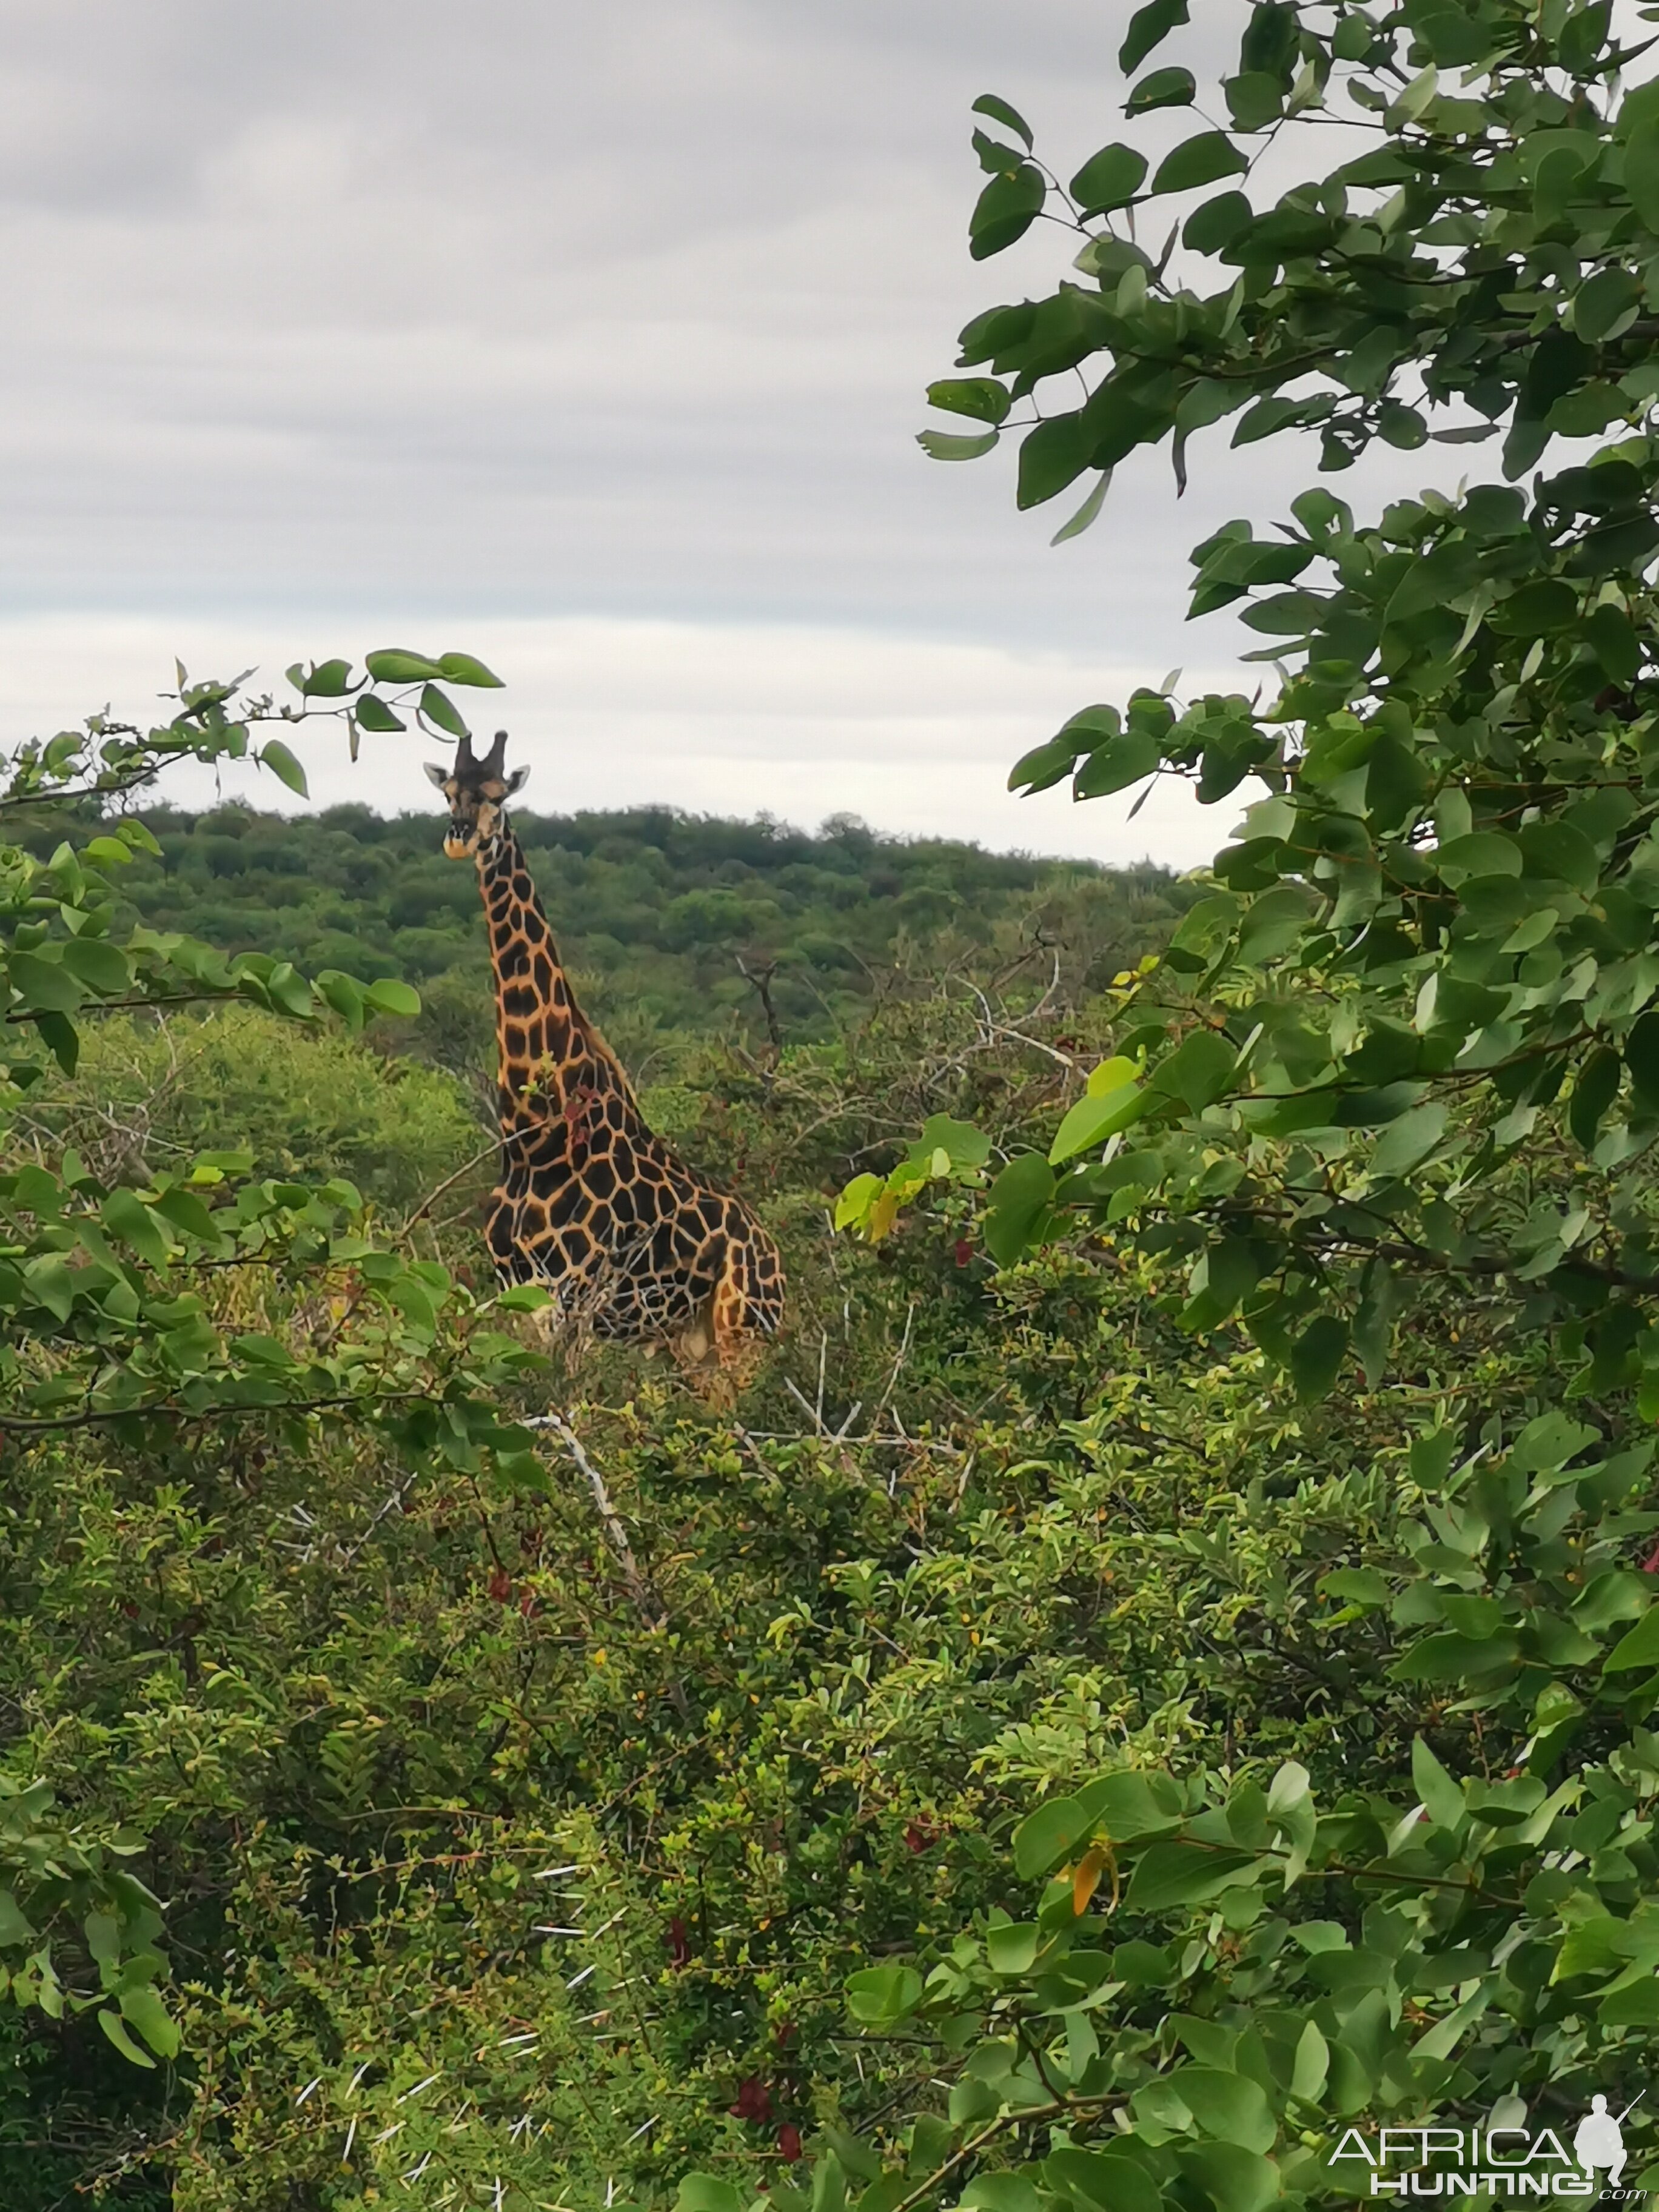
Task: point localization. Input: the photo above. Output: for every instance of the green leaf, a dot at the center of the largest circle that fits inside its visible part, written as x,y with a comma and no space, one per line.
1640,1648
1109,179
115,2028
186,1211
1255,99
1610,297
101,966
143,2009
44,984
462,668
385,996
1001,2192
1310,2065
1148,28
1051,456
881,1994
1095,1117
981,397
1408,1140
1199,161
1442,1798
329,679
705,2192
952,446
1126,1806
1612,639
1006,210
1011,1947
1165,88
1118,763
1214,226
999,112
1234,2179
442,712
1087,513
1642,165
1200,1070
1230,2105
1317,1358
397,666
1181,1873
283,764
1595,1088
1642,1058
50,1284
1272,923
1048,1838
1549,1443
126,1216
344,993
1019,1199
373,714
1105,2179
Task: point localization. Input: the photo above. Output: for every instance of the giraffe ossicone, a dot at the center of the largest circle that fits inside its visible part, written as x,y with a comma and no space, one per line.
634,1246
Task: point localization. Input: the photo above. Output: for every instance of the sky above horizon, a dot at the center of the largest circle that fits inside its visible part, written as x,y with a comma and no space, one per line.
593,342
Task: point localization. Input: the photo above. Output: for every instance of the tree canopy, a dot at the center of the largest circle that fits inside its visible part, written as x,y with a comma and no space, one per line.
1398,1062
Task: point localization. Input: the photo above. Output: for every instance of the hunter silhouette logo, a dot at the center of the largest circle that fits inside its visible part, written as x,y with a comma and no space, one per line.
1600,2142
1511,2160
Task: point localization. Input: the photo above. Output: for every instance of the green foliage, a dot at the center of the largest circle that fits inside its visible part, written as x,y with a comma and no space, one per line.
136,1291
1393,1084
653,911
1429,951
300,1101
53,1874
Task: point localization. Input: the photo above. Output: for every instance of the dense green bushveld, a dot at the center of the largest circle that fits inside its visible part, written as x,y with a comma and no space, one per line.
1395,1073
1163,1669
1030,1528
658,913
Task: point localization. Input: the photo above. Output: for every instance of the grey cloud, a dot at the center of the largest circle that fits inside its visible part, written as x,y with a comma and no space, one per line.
351,314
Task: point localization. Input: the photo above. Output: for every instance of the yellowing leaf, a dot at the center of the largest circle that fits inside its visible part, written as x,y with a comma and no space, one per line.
1086,1881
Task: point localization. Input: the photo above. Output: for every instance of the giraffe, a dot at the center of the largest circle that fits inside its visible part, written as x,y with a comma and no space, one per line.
636,1248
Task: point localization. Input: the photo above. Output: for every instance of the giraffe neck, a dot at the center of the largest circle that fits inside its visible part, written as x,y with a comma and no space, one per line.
550,1056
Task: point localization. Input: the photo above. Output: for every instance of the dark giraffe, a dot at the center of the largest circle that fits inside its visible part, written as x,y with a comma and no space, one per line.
636,1247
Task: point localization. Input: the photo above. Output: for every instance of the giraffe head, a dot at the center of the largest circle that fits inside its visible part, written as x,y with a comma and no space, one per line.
477,791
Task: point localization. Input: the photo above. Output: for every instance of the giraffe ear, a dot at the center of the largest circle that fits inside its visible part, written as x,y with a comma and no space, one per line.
517,781
435,773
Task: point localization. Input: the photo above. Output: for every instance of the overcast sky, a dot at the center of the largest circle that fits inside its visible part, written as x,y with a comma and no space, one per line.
590,339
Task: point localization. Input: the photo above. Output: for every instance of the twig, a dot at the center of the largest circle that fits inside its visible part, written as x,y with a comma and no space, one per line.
857,1408
806,1405
761,979
497,1143
892,1379
650,1605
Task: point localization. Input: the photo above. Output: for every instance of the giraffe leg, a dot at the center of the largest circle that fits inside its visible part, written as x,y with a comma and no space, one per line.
737,1347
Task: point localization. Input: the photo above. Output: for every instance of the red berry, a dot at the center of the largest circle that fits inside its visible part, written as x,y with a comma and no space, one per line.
789,2141
754,2100
500,1586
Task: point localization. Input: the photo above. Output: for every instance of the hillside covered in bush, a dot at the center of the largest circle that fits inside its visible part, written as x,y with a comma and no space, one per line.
654,911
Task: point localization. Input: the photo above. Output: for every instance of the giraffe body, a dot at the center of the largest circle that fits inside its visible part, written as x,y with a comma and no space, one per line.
636,1247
